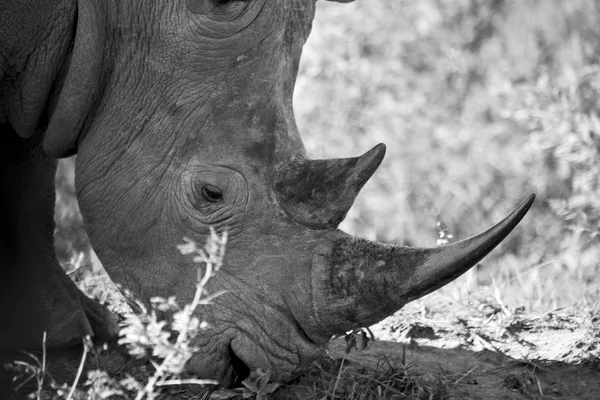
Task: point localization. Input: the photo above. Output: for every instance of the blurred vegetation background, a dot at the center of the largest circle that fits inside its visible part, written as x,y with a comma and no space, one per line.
480,103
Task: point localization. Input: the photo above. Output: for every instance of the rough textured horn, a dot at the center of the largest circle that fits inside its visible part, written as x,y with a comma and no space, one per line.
357,282
319,193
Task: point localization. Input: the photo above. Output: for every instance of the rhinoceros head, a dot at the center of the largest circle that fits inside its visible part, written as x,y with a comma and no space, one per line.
187,121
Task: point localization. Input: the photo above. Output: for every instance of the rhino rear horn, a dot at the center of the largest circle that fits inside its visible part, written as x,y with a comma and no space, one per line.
319,193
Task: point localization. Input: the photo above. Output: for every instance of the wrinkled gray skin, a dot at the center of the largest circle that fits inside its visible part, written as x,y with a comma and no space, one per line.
160,99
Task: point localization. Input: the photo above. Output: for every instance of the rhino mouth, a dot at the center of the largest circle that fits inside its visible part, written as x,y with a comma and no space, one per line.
278,345
238,371
284,355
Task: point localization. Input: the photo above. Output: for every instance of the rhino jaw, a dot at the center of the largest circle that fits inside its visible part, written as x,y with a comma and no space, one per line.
356,282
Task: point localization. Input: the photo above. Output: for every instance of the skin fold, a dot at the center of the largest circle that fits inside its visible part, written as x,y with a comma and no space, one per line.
181,115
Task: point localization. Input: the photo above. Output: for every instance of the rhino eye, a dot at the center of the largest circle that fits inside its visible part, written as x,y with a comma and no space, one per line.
211,193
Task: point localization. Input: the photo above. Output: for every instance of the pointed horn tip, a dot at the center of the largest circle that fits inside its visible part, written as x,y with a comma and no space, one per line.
522,209
450,261
497,233
374,156
529,201
378,150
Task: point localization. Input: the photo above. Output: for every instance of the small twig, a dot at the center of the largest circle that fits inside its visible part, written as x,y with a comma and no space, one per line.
86,344
539,387
172,382
338,377
41,379
465,375
209,298
485,343
30,377
404,355
150,384
498,297
532,269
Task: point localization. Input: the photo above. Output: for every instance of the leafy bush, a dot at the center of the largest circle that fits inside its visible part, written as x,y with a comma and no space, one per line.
166,345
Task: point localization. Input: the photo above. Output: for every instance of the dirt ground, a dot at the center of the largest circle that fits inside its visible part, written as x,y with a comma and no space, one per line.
443,349
472,348
485,351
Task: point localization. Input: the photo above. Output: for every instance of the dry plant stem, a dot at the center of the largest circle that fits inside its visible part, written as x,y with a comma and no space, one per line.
175,382
192,306
41,382
469,372
156,379
86,342
20,385
40,374
149,388
338,378
539,386
208,299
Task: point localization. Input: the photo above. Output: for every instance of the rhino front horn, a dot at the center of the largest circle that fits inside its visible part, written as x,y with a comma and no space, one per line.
356,282
319,193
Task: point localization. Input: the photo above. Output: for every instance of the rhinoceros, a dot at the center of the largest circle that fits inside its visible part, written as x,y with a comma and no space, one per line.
180,112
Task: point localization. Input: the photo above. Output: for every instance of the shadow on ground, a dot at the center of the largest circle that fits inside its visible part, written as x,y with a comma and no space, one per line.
467,374
395,371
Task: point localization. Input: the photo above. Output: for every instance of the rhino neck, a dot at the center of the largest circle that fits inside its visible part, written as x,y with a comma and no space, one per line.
41,36
82,84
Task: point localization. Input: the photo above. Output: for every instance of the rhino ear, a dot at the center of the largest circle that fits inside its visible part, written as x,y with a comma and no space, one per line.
81,87
319,193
